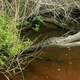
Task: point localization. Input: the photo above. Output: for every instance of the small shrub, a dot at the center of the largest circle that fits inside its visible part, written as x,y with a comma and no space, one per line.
34,22
10,43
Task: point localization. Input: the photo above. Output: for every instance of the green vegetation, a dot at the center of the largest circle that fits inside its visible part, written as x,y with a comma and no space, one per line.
13,19
34,22
10,43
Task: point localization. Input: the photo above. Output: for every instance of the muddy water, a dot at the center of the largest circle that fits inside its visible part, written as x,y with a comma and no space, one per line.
64,65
